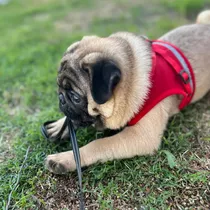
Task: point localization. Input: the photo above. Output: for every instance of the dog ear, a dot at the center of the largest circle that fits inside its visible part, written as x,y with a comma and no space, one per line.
105,76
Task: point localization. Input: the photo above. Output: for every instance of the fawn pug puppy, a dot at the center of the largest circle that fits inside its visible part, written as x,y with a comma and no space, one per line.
126,81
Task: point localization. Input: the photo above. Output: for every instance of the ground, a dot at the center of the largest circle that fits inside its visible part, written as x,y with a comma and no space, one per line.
34,35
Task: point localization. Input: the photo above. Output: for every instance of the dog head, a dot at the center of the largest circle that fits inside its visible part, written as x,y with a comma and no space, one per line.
95,81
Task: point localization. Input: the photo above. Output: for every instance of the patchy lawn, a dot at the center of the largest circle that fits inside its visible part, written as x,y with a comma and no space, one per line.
34,35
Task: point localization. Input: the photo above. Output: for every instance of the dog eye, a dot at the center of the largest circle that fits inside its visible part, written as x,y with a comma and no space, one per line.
75,98
85,69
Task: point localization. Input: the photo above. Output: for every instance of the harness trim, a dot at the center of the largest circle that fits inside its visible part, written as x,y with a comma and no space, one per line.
180,58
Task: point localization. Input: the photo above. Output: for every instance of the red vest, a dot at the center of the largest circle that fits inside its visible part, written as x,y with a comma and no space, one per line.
171,74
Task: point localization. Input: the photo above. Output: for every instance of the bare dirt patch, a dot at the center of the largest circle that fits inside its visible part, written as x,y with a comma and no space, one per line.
66,196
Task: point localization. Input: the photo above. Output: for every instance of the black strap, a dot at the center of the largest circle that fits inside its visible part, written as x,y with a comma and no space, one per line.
77,160
72,135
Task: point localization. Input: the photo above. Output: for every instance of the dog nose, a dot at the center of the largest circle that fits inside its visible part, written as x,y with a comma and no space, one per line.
62,99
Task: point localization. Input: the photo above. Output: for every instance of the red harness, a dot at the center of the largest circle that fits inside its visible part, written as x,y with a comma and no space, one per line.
171,74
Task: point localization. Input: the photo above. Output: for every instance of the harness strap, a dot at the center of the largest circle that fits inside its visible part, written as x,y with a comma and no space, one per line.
182,68
171,74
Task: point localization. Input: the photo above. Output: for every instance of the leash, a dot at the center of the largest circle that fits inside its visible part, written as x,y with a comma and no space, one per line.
75,148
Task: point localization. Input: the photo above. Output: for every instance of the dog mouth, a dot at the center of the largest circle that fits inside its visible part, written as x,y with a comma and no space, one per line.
79,115
83,124
84,120
98,124
80,120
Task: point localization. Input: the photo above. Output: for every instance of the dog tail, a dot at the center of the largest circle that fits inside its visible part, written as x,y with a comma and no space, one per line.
204,17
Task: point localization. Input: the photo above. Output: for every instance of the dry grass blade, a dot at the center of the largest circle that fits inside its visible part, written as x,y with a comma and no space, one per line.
18,178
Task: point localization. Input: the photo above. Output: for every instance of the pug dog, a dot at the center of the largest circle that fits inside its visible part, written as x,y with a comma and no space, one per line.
105,82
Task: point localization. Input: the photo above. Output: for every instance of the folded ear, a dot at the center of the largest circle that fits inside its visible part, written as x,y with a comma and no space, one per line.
105,76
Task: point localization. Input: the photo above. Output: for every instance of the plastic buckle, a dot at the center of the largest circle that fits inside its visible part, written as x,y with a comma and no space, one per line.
184,76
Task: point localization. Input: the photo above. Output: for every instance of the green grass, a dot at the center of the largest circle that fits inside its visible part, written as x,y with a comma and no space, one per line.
189,8
34,35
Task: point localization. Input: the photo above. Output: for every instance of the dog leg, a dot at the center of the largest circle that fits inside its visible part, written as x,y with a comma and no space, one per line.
143,138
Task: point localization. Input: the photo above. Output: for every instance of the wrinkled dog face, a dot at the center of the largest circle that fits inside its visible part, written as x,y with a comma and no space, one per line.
73,95
84,84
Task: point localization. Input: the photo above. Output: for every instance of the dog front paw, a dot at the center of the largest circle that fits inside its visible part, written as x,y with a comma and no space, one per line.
60,163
